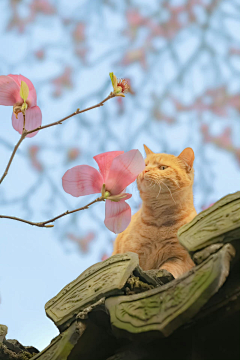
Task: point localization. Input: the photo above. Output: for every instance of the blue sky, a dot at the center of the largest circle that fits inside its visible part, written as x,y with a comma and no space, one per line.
36,263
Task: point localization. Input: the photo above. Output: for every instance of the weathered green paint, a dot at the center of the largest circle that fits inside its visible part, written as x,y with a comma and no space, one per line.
3,332
102,279
218,224
202,255
165,308
61,346
153,277
135,286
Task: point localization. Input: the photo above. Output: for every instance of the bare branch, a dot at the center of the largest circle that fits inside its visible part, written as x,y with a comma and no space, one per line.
27,132
24,134
78,111
44,223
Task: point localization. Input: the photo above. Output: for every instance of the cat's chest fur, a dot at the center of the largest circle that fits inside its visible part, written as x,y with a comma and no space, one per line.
153,240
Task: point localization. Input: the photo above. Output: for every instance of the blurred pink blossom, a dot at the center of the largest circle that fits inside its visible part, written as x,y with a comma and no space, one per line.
217,100
234,51
40,54
223,141
17,22
82,241
42,6
81,52
104,257
35,6
206,206
170,28
79,32
135,55
33,153
160,116
134,18
135,21
237,154
73,154
63,81
79,39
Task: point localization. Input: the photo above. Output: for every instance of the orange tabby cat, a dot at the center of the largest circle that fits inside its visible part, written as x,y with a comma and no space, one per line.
166,190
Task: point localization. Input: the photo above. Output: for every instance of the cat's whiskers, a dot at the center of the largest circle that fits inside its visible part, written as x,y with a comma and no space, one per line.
160,188
169,191
175,182
152,184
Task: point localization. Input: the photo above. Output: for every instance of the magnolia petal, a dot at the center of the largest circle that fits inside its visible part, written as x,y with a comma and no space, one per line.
117,216
124,170
126,195
82,180
119,197
24,91
113,79
32,97
9,91
104,161
33,119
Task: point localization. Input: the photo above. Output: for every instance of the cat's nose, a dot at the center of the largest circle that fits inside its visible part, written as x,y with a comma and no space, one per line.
146,170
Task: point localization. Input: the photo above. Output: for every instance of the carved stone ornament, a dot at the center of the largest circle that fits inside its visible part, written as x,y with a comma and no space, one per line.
103,279
3,332
203,254
167,307
62,345
218,224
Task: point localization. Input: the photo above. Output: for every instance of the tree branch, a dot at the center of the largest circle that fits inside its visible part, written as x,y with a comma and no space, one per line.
44,223
78,111
26,132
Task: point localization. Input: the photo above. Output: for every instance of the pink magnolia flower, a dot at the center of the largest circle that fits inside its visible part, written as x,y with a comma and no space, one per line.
10,95
116,171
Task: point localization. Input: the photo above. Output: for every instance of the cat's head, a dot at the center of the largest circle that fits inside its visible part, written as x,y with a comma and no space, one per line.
165,174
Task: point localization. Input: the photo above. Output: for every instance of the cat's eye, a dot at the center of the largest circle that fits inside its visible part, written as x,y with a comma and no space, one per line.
163,167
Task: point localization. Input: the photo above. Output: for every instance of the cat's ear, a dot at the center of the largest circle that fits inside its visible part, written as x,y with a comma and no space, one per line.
147,150
187,157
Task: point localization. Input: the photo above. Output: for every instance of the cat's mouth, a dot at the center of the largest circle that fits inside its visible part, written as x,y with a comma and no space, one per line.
144,181
141,176
145,176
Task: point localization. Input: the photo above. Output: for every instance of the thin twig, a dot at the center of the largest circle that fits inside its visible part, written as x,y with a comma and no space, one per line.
44,223
27,132
78,111
24,134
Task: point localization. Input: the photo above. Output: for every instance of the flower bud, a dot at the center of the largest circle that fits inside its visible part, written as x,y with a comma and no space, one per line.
120,86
